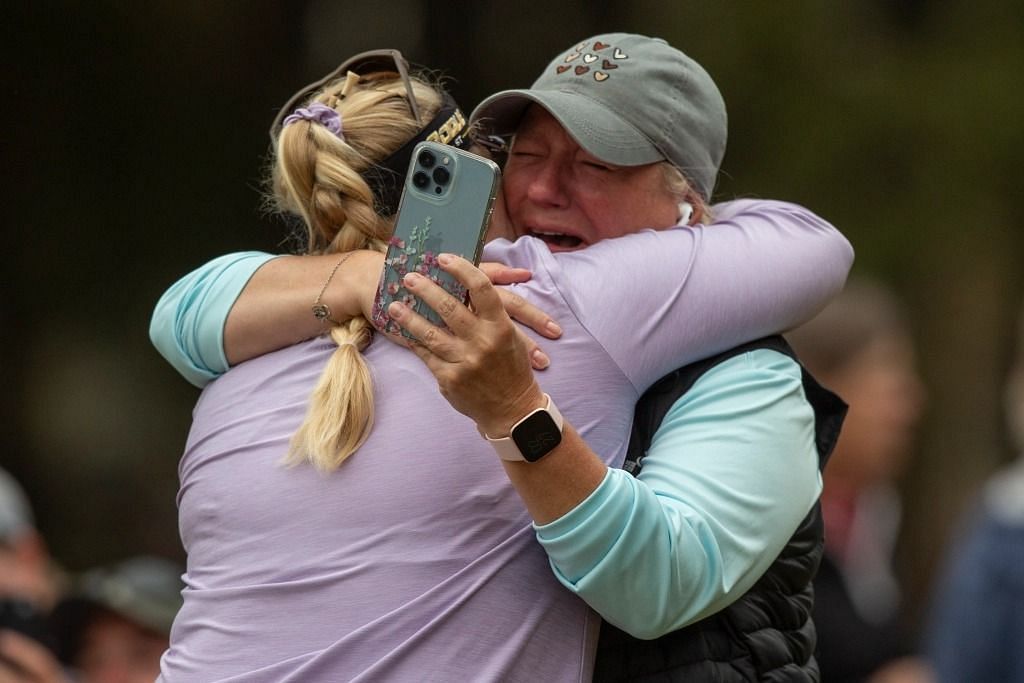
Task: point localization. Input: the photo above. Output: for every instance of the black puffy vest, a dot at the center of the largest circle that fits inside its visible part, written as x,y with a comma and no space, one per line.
767,634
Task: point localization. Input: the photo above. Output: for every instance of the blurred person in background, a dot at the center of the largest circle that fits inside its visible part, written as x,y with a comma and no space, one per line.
860,346
116,623
976,630
111,628
27,571
30,585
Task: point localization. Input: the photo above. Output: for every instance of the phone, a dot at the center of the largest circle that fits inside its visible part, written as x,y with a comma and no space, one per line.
446,206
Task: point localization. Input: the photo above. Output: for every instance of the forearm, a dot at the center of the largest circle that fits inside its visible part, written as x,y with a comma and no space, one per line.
762,269
560,481
729,476
274,310
800,262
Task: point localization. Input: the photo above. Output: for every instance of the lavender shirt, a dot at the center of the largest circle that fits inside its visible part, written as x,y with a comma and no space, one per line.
416,560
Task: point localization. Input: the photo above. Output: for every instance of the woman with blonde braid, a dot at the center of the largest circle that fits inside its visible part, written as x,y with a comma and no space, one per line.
403,552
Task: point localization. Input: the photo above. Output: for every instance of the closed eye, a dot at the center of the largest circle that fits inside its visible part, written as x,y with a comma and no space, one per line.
519,152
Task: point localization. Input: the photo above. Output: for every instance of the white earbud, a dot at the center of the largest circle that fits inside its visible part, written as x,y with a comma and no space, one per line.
685,213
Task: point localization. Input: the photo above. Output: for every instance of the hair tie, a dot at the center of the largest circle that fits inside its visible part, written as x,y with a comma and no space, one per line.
320,113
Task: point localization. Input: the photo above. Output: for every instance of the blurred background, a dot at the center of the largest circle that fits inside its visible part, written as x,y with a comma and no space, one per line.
134,138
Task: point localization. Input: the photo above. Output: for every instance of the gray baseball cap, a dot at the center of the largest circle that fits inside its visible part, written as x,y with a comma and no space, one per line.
629,100
144,589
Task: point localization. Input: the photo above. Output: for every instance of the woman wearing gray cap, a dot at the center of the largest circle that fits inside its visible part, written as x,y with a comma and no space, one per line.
115,624
416,559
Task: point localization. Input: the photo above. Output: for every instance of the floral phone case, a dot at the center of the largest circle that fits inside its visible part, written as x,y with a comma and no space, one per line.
445,208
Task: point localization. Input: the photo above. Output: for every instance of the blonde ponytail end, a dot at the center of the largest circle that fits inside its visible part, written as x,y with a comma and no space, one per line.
340,414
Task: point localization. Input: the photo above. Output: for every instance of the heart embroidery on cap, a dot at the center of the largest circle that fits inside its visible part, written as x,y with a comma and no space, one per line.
589,58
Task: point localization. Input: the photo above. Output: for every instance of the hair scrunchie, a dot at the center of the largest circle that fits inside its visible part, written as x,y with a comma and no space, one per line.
319,113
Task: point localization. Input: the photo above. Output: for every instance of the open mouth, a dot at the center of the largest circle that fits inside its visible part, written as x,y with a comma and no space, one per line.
558,241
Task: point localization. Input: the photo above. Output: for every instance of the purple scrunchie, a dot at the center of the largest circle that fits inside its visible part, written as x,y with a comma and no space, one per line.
320,113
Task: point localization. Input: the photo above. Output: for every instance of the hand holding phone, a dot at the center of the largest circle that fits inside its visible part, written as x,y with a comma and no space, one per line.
446,203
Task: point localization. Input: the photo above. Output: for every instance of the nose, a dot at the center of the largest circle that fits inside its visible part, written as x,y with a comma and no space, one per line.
547,184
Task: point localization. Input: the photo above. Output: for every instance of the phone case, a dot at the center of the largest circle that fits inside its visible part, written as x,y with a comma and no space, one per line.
445,208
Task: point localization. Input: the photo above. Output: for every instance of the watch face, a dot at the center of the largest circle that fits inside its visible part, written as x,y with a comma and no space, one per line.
537,435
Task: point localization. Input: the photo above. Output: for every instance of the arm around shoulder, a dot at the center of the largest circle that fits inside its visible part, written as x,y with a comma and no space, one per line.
243,305
688,293
780,256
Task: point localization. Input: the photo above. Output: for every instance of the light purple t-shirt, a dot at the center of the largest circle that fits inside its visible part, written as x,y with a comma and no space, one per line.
416,560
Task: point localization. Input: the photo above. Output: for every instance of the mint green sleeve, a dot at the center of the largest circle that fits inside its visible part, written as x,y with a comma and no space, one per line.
731,472
187,327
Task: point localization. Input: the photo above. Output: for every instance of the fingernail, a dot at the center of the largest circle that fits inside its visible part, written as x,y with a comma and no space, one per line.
411,280
552,327
396,309
540,360
445,259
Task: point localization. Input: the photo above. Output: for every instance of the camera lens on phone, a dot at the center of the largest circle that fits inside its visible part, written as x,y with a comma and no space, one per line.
441,175
420,179
427,159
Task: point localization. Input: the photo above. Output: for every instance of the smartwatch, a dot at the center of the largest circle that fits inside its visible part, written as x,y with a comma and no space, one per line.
532,437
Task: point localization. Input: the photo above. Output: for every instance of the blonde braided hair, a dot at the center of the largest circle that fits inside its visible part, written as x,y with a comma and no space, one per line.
317,175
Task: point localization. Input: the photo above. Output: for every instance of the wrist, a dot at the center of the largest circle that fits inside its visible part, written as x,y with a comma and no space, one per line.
499,425
533,436
357,286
